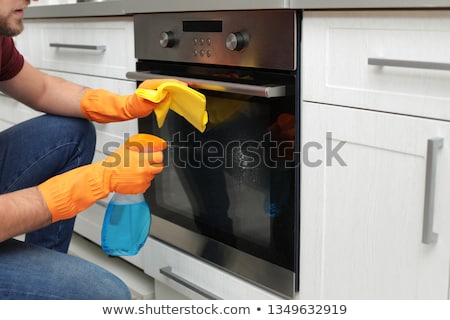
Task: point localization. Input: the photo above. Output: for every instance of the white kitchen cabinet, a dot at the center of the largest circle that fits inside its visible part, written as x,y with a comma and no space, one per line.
362,222
363,217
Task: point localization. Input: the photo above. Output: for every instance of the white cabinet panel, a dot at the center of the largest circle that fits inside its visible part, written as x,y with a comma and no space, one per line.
8,110
412,71
362,223
12,111
99,47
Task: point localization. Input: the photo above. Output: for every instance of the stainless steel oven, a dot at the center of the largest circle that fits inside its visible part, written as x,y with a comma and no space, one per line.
229,195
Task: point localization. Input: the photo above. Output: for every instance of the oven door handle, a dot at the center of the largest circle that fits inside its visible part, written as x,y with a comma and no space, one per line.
266,91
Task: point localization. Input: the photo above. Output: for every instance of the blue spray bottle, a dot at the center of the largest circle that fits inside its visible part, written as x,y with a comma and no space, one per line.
127,220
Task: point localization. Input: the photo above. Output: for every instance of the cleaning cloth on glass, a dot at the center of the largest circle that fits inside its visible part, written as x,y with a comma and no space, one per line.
187,102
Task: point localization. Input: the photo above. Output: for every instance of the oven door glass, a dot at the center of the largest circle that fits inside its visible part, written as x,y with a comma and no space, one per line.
234,183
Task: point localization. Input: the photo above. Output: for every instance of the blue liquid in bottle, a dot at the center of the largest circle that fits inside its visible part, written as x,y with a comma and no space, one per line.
126,225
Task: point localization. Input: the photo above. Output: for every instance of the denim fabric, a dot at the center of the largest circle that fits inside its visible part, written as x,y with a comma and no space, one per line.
30,153
30,272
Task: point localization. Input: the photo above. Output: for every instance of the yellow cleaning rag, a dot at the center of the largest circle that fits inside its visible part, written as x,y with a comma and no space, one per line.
187,102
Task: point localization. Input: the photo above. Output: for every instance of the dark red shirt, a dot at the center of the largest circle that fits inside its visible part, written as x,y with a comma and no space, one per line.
11,61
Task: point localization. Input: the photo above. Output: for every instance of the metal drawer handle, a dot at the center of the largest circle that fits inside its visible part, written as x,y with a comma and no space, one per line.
220,86
428,235
78,46
408,64
167,271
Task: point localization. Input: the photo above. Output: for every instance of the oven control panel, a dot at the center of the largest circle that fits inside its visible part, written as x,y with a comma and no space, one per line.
259,39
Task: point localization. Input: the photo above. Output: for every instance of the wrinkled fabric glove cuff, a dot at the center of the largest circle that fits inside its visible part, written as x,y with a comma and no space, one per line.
69,193
103,106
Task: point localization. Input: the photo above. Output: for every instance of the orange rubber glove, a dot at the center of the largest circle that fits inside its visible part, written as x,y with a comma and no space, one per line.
129,170
104,106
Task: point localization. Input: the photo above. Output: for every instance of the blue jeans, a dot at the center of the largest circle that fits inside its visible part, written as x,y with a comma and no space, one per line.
30,153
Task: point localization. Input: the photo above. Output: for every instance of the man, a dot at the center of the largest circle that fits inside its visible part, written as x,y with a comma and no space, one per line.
46,177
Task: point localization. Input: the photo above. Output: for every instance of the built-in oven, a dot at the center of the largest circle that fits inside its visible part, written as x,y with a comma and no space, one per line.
229,195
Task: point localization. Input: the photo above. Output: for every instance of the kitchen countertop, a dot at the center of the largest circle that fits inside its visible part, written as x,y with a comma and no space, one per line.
128,7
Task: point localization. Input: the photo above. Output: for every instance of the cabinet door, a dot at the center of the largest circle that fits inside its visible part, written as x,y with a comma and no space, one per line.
362,218
394,61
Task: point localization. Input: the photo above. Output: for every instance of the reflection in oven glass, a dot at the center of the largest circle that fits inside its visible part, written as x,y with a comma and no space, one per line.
234,182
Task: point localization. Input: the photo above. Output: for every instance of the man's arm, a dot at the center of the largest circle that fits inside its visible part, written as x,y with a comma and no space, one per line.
22,211
44,92
26,210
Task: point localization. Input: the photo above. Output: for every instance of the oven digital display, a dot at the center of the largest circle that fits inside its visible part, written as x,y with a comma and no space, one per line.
202,26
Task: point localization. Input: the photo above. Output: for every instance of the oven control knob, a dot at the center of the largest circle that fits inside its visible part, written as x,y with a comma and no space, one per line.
167,39
236,41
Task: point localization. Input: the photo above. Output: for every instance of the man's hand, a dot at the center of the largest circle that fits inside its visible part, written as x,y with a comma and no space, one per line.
103,106
127,170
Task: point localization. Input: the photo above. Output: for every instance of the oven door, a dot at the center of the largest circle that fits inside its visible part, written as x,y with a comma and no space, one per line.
230,195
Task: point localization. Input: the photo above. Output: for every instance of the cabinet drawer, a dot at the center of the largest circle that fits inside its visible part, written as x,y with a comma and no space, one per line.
160,259
101,47
393,61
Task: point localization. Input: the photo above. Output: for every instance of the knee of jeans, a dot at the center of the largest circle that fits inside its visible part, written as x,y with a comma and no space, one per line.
86,135
86,131
110,287
120,291
90,136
